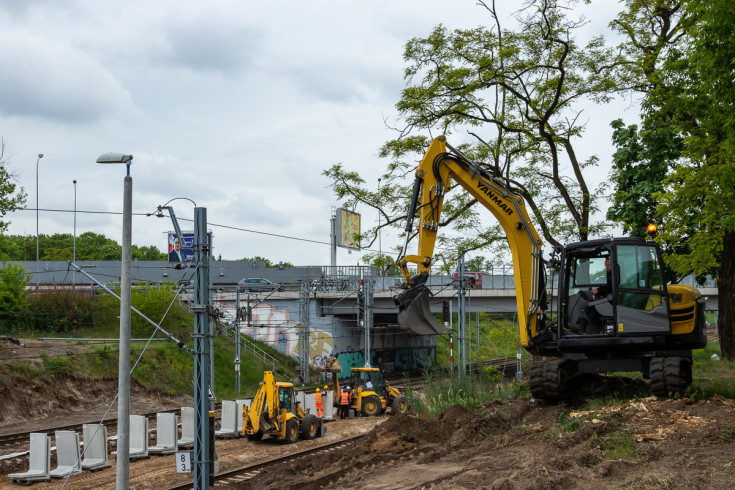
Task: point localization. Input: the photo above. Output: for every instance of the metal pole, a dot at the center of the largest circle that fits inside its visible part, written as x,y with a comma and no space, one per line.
123,374
367,298
380,242
38,264
237,339
202,454
333,250
74,252
304,332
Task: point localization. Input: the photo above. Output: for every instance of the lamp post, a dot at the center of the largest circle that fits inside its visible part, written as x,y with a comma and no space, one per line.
123,373
74,248
38,264
380,244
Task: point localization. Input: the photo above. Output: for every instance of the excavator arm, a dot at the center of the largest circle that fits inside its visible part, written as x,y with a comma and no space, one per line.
434,177
263,410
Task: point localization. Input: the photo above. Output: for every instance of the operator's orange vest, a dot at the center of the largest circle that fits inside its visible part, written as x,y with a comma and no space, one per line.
344,398
318,397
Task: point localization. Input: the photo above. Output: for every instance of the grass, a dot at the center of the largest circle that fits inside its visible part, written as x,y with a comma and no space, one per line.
619,445
441,391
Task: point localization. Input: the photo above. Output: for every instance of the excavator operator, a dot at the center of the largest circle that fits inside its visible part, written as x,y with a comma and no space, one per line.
319,404
605,289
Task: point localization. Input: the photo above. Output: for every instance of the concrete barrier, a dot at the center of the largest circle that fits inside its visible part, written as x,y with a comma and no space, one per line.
39,461
166,434
228,420
95,447
187,427
138,437
68,459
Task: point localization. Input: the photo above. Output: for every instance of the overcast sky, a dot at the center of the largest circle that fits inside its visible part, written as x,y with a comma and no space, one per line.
238,105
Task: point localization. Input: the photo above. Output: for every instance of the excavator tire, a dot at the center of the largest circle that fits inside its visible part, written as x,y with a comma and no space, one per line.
553,384
656,374
292,431
371,406
670,375
255,437
399,405
309,427
536,380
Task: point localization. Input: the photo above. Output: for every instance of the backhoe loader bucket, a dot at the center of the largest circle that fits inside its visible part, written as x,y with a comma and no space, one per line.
414,312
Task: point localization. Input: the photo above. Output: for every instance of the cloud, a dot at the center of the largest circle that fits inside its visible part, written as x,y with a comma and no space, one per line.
47,79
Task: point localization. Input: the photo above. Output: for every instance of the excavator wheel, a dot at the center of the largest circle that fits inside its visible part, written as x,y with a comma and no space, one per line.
309,427
399,405
537,380
371,406
553,382
670,375
255,437
292,431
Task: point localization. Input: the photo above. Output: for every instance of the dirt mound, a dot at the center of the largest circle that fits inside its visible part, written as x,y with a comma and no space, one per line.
521,444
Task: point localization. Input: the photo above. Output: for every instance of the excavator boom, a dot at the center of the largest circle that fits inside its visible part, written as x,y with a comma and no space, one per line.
434,176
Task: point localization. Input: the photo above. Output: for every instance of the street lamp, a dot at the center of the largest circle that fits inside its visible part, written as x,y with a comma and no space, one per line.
74,249
123,373
38,264
380,244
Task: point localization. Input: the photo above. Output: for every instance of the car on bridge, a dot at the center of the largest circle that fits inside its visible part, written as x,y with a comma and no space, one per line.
259,284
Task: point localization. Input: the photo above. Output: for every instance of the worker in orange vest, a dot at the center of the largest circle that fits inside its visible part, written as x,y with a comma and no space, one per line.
319,404
344,403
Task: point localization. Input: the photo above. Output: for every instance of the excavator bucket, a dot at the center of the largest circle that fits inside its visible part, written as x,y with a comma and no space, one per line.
414,312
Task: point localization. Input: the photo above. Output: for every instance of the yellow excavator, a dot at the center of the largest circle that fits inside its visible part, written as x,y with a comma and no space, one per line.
614,311
275,411
371,394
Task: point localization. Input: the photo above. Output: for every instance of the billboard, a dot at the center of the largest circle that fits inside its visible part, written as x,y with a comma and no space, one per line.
184,252
348,228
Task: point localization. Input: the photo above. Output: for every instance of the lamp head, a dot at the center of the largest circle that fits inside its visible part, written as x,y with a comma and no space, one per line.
115,158
40,155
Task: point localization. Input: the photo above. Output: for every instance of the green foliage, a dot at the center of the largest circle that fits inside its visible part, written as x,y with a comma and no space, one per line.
514,93
13,281
268,263
59,366
60,246
569,424
619,445
12,198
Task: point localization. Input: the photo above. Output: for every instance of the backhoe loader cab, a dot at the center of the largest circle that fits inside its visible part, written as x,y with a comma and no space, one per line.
274,411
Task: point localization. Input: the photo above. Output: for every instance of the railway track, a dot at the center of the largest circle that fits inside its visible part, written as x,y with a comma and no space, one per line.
240,476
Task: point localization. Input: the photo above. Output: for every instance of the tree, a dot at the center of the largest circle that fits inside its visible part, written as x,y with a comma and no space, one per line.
268,263
514,93
12,198
682,54
13,281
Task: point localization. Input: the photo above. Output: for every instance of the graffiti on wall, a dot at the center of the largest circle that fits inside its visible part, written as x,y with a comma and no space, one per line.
390,361
276,328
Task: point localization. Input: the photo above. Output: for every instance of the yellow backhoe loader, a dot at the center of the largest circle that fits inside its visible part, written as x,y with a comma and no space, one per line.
615,311
371,394
275,412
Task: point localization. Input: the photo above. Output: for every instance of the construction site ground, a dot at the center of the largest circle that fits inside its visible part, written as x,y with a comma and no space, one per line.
518,443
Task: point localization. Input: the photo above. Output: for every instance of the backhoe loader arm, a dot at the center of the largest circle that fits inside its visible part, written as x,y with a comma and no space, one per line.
265,400
434,177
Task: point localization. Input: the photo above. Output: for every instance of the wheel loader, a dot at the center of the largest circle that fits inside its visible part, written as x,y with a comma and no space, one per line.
371,394
614,310
275,411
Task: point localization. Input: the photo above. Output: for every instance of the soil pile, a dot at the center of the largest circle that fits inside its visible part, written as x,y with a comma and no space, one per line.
521,444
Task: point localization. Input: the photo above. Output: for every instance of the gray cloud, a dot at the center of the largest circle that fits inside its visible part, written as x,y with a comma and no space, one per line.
51,80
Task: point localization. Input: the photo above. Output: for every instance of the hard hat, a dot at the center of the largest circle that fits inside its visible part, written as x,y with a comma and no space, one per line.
317,390
325,387
347,387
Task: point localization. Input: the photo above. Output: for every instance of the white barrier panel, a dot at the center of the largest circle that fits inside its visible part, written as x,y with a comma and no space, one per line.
138,437
328,405
39,460
228,421
187,427
166,434
309,404
67,454
95,447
